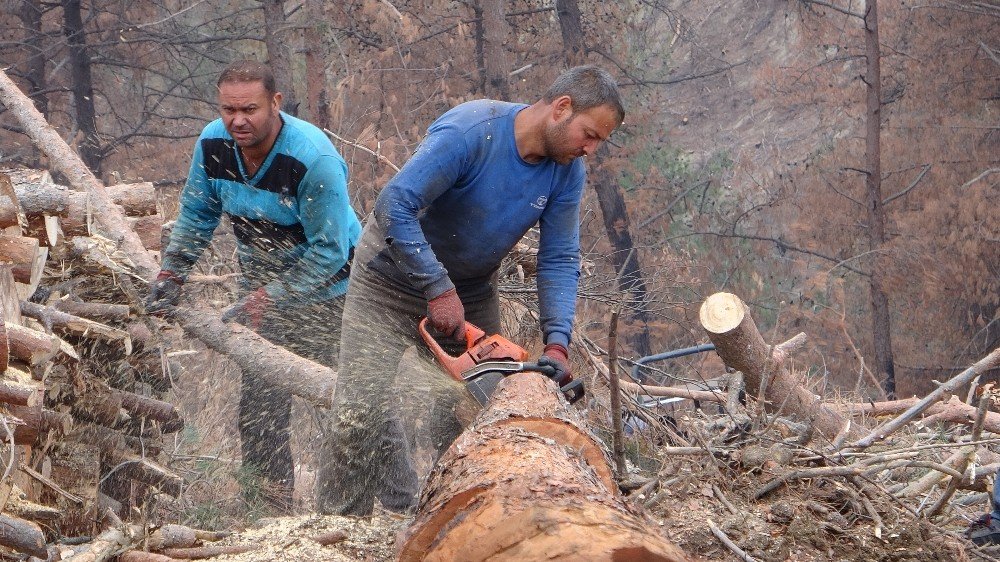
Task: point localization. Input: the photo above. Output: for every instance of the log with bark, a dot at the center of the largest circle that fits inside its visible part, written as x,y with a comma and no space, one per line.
953,411
528,482
738,342
31,346
22,536
18,251
9,207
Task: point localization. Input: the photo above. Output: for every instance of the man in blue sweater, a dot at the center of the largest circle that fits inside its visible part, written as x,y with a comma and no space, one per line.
486,172
283,187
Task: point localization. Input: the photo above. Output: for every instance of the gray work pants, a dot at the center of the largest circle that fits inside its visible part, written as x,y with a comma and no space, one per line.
367,453
311,331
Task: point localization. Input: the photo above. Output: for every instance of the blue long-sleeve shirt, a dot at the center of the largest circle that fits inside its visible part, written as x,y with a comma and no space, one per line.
466,197
293,221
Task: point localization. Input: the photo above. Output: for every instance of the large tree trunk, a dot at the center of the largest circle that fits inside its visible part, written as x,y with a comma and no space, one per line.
495,66
624,255
316,94
31,18
738,342
83,85
570,24
881,326
279,58
528,482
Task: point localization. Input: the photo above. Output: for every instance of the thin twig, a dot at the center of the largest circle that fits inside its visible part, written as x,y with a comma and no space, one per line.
377,155
618,439
724,539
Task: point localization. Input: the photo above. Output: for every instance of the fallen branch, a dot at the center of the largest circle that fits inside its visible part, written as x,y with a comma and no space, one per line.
724,539
949,387
728,324
199,552
51,317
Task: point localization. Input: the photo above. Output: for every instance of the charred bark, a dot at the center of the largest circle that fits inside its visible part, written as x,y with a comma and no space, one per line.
83,85
881,322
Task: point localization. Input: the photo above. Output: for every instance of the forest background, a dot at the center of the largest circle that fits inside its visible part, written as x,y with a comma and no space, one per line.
744,164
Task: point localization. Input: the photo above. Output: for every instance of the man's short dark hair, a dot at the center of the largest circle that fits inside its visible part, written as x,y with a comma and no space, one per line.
588,86
249,71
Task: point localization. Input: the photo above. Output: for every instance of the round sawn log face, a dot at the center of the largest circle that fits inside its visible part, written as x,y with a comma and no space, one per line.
520,484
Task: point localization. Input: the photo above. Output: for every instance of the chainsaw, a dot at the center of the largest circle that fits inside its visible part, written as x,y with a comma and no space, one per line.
487,360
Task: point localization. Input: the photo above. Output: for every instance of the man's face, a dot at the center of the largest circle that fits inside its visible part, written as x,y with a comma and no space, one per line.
248,112
573,134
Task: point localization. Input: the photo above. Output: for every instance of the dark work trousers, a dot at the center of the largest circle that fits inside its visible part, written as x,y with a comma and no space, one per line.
311,331
368,450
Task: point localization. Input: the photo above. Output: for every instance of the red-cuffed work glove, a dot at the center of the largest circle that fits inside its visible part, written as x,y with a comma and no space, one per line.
447,314
556,356
249,310
164,293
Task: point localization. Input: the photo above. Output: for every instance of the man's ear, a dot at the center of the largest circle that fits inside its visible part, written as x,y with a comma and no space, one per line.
276,101
562,107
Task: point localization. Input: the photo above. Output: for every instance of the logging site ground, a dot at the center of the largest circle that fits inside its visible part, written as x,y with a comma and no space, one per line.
787,321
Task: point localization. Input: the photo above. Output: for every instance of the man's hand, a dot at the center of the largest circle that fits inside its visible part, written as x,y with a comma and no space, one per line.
249,310
447,314
164,293
557,357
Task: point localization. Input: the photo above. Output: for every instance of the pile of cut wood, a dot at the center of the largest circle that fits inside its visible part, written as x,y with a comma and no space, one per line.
81,419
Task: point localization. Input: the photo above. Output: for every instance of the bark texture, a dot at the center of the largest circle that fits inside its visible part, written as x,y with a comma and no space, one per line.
738,342
528,482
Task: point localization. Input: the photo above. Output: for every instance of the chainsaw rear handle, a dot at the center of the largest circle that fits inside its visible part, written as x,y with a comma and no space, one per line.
451,364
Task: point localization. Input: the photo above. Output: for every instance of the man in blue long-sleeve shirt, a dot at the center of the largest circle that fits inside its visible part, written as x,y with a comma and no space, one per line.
284,188
486,173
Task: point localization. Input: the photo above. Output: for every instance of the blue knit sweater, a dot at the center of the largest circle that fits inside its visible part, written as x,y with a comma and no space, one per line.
466,197
293,222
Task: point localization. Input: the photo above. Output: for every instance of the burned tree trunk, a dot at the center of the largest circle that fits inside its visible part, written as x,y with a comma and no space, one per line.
83,84
528,482
728,323
881,321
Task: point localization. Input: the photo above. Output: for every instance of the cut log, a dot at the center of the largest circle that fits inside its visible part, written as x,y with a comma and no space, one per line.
30,275
153,409
504,492
31,511
9,297
97,311
54,318
22,536
31,346
28,424
4,346
738,342
171,536
300,376
21,394
18,251
148,472
39,198
9,207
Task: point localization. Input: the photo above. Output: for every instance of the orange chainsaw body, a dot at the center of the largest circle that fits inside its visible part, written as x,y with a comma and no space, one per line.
479,348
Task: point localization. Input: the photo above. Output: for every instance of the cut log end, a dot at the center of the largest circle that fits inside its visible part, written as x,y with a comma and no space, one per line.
722,312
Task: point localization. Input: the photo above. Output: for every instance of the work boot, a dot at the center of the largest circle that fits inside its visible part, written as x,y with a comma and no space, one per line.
984,531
